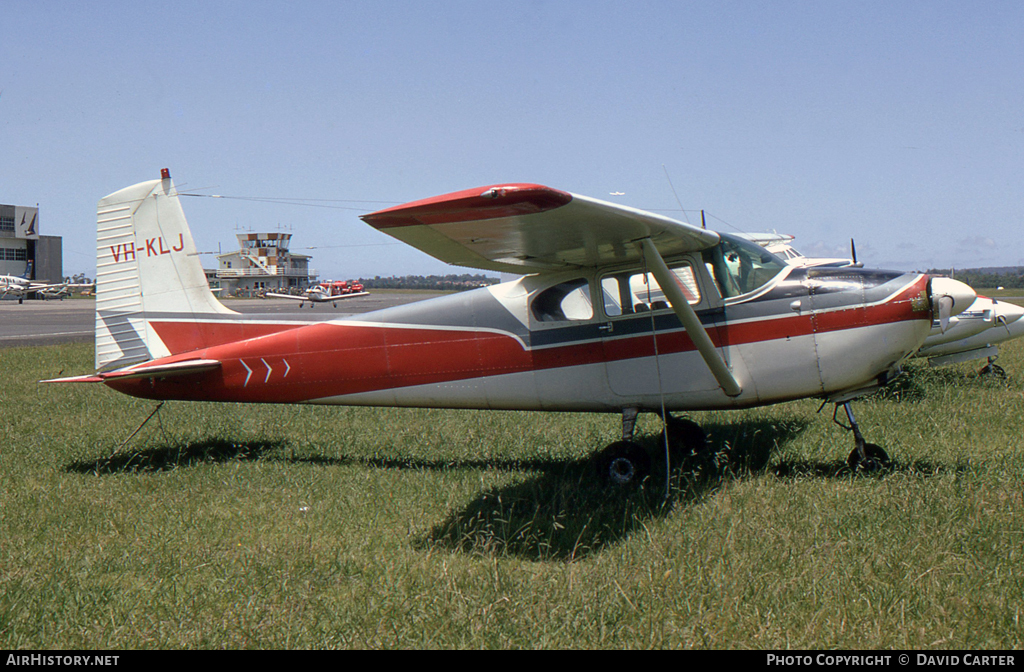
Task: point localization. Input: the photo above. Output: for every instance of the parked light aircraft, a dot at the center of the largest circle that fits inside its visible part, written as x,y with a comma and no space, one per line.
779,245
20,287
580,331
324,292
976,334
973,334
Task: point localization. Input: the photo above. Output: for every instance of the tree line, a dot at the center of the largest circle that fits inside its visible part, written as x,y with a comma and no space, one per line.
1002,276
460,282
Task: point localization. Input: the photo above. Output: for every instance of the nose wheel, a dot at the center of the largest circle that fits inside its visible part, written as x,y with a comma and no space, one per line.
871,460
993,369
866,457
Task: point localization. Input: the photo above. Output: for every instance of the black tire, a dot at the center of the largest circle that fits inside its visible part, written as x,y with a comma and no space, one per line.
623,464
993,370
686,441
875,460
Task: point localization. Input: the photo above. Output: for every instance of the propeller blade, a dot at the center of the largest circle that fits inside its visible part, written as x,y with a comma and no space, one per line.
945,312
853,251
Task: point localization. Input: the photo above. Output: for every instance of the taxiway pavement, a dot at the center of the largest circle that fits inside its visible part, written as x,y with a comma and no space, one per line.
72,320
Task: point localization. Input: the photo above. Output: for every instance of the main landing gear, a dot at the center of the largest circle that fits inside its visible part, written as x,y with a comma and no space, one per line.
626,462
866,457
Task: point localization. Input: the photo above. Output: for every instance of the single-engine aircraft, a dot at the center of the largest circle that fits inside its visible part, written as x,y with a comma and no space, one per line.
581,331
973,334
779,245
324,292
976,334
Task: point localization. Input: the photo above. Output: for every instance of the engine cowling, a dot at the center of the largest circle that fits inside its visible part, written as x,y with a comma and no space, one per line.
949,298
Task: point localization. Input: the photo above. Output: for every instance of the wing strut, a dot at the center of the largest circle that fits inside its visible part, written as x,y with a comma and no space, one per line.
667,280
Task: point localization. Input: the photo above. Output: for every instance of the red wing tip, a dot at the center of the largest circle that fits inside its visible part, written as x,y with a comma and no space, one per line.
489,202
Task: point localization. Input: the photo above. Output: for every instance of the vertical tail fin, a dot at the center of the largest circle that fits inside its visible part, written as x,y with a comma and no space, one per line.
147,266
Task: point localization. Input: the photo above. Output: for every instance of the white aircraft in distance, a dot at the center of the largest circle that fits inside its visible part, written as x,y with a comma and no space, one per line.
973,334
779,245
328,291
578,332
21,287
976,334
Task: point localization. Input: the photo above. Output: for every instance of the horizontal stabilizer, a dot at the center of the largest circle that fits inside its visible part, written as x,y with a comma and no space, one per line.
75,379
135,372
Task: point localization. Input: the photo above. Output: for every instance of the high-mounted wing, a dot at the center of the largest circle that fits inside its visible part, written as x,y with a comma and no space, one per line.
527,228
293,297
766,239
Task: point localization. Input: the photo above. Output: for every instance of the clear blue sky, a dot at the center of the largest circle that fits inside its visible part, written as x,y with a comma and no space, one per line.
898,123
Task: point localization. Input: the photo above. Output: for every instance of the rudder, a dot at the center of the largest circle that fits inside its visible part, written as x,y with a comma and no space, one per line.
147,266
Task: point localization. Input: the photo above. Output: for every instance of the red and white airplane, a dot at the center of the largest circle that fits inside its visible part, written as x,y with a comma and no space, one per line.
329,291
619,311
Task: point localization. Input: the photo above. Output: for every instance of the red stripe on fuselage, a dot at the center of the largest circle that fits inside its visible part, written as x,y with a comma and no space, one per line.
325,360
334,359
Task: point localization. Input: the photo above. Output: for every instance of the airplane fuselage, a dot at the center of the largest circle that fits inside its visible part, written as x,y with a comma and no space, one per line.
808,332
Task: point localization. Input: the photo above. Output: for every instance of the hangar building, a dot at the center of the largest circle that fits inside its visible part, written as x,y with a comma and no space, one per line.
25,253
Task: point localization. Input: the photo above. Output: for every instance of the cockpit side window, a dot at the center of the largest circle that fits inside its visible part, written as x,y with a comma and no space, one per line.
565,301
740,266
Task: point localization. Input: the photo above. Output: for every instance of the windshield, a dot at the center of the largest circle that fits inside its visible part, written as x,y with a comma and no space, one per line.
740,266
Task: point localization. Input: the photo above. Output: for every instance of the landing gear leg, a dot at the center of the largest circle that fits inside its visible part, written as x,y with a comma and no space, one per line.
629,416
624,463
866,457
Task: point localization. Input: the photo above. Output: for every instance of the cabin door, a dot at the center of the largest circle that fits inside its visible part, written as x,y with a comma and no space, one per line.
636,309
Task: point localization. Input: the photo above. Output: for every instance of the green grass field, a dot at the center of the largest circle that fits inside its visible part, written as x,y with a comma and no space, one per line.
228,526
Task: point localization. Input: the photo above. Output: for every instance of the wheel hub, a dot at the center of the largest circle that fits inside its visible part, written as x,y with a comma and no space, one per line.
621,471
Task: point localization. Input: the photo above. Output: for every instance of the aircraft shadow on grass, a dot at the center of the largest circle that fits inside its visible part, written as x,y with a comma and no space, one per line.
560,511
566,513
170,457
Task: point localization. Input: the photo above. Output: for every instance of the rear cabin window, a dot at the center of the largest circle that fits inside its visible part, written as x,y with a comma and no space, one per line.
565,301
631,292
